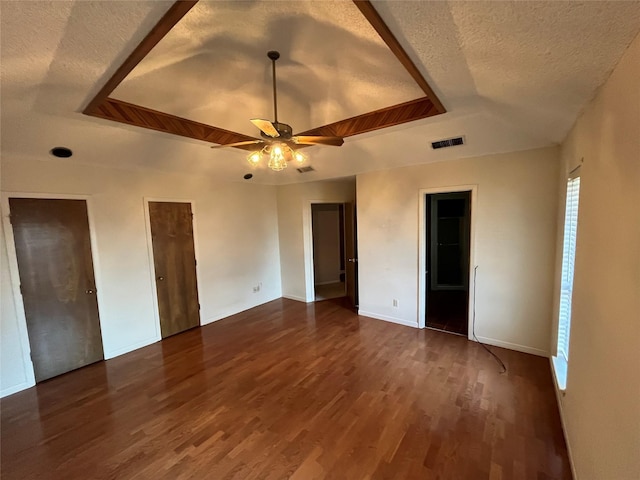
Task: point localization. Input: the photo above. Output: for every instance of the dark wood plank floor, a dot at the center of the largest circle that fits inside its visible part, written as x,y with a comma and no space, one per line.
289,390
448,310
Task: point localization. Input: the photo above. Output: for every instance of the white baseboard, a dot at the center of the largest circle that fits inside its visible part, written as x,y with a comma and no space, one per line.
377,316
130,348
209,320
230,312
15,389
513,346
296,298
559,395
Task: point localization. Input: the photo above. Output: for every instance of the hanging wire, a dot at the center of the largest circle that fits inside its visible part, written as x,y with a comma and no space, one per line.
473,327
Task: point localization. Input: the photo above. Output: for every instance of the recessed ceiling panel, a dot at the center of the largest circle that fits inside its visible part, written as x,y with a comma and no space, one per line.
212,67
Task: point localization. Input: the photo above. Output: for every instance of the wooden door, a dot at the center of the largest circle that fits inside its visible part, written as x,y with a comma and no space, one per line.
53,250
175,266
351,252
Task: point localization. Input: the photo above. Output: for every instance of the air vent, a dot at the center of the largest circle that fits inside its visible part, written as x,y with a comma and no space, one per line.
305,169
449,142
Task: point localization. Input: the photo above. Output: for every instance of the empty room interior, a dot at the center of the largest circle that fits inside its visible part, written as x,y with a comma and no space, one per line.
320,239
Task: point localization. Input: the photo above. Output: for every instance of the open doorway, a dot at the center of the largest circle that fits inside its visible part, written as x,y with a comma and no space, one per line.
447,255
327,226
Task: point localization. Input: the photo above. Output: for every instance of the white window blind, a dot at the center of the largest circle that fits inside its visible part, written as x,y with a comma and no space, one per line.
568,260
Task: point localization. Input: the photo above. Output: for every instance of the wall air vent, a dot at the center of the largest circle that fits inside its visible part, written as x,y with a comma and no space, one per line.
305,169
449,142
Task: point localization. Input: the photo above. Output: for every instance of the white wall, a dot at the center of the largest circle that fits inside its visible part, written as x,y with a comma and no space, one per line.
294,225
13,370
601,406
515,232
326,243
236,247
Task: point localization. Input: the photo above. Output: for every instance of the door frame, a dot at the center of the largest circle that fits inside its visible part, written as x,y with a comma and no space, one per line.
422,246
307,234
152,269
14,275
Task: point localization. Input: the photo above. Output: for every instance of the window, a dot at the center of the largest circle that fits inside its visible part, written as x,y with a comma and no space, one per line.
561,359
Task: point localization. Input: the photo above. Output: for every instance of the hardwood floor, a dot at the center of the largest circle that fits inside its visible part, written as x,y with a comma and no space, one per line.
329,291
448,310
289,390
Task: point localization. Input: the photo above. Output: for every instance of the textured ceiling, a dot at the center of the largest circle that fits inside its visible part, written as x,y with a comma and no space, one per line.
213,67
512,75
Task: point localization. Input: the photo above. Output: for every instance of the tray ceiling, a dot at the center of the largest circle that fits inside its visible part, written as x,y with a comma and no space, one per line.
212,66
202,72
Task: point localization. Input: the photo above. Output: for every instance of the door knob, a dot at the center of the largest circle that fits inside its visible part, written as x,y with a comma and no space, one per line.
89,291
160,278
352,260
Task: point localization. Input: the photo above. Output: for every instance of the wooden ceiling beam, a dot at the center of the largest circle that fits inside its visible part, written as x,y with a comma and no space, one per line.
124,112
383,118
374,18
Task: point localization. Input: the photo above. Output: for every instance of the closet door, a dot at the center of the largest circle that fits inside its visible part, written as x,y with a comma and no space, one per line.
175,266
53,250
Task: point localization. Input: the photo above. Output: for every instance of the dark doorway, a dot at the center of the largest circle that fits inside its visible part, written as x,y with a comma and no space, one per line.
174,261
57,283
448,224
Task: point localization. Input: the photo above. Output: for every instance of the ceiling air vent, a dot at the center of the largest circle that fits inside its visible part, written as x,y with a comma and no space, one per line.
449,142
305,169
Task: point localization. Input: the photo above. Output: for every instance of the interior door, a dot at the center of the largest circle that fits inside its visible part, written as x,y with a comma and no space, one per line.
175,266
57,282
351,252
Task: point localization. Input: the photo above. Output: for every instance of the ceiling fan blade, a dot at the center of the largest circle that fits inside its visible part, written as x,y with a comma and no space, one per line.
239,144
265,126
315,140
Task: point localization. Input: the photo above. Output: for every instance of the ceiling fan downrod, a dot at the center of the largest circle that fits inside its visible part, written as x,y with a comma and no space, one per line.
274,55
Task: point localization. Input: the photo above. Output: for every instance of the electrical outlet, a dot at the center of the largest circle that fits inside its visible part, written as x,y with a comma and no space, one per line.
395,302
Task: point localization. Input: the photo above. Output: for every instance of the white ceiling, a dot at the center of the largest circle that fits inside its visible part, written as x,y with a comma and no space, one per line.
512,75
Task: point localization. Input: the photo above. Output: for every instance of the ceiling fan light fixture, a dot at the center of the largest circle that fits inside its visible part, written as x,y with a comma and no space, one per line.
254,158
279,154
300,157
278,157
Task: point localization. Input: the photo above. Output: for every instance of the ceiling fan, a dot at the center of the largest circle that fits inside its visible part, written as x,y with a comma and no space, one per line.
278,141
